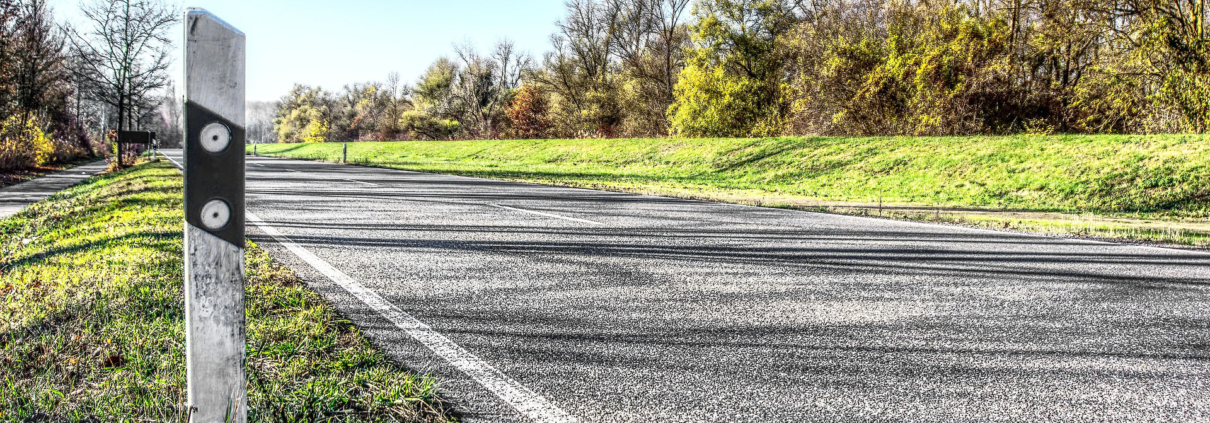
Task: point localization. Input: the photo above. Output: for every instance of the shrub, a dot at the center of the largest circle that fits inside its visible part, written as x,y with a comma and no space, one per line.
316,131
24,145
712,103
422,126
528,113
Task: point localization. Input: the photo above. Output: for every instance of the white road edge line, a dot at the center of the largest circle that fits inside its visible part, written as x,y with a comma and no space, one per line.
174,162
546,214
527,402
363,182
516,395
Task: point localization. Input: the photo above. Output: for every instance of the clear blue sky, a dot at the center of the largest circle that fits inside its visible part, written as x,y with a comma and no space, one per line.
333,43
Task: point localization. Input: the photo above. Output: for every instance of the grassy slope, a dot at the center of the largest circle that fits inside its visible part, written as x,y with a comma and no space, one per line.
1160,178
91,324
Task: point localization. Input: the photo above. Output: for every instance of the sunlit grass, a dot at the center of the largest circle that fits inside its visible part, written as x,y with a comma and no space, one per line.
91,320
1159,178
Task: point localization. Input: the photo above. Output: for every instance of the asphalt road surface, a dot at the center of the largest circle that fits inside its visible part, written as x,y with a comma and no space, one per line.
619,307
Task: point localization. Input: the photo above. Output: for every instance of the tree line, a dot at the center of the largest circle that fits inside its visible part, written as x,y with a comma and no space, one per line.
63,88
739,68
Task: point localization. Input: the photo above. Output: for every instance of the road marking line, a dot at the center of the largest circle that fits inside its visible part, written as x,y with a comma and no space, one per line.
546,214
525,401
363,182
174,162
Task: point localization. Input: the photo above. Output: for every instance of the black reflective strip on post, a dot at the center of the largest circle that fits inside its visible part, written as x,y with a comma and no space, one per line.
214,176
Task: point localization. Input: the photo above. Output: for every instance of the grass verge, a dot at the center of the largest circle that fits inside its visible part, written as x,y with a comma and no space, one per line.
91,320
1150,188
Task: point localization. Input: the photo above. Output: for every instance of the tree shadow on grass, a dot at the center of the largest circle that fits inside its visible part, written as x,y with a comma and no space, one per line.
160,237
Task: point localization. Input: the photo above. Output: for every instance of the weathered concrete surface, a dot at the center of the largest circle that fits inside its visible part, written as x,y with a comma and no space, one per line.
214,312
214,260
17,197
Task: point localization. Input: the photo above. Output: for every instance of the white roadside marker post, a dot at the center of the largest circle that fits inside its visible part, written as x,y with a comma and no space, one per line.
214,219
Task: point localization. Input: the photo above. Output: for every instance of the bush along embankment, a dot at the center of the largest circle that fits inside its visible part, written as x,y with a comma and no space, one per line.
28,148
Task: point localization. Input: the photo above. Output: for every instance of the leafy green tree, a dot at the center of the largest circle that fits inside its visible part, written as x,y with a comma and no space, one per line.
931,71
434,91
734,70
424,126
436,109
304,115
1175,38
712,102
316,131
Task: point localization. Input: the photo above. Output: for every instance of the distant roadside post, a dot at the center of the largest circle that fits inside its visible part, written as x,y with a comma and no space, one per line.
214,219
136,137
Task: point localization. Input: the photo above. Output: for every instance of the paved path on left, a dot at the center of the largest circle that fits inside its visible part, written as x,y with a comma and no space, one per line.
17,197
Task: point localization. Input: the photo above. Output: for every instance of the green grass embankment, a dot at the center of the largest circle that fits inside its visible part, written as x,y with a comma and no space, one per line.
91,320
1154,188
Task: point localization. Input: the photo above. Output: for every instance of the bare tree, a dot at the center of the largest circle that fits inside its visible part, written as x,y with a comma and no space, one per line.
580,69
8,17
126,53
615,63
396,96
484,84
165,118
39,57
89,105
651,37
260,116
650,44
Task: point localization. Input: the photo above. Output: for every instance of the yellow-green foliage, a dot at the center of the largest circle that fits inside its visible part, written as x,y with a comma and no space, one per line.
743,68
732,82
710,102
929,71
303,115
939,74
433,90
927,68
1174,45
315,131
91,320
423,126
23,144
1190,94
